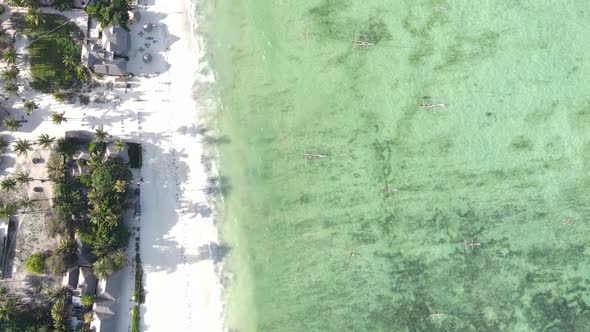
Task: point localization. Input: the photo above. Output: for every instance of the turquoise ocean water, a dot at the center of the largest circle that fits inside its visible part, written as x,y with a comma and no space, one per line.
467,217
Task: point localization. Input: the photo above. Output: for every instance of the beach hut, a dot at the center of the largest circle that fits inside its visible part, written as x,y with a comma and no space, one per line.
147,58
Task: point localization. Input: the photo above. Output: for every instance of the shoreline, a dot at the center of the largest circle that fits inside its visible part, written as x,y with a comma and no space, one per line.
191,269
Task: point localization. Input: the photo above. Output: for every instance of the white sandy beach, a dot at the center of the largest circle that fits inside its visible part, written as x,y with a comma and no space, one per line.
182,289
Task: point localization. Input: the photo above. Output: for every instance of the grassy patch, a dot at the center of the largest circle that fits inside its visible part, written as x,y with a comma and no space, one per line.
51,43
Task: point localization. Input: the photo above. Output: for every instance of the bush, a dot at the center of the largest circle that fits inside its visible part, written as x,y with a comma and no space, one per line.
88,300
35,263
134,151
2,9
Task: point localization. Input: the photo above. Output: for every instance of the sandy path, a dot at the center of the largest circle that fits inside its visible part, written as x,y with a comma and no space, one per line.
182,289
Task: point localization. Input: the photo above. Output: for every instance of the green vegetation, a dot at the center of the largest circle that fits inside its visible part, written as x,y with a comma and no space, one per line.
59,315
8,184
9,55
7,210
109,263
29,106
110,14
23,177
51,44
91,205
88,300
55,166
11,124
62,4
134,155
18,315
2,9
58,118
22,146
45,141
64,258
25,3
67,200
138,292
66,148
35,263
103,231
135,327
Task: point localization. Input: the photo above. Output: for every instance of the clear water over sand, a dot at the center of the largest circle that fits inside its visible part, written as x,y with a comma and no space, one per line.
373,236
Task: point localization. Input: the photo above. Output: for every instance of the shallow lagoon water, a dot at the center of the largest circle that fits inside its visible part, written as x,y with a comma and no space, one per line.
476,212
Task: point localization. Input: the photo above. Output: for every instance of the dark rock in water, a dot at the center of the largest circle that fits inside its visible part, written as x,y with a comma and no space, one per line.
489,113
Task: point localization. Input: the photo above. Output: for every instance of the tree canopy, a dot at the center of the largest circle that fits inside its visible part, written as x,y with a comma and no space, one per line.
110,14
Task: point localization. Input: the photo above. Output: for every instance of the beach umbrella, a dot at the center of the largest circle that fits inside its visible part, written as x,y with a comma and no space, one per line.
148,27
147,58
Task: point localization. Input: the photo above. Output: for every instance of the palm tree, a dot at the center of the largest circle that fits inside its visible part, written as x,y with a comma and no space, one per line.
101,268
120,186
96,159
100,135
120,145
11,124
22,147
93,200
45,141
34,16
9,74
23,177
4,36
58,314
59,293
109,263
26,203
55,167
8,184
8,310
68,252
58,118
7,210
3,145
10,88
9,55
69,60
